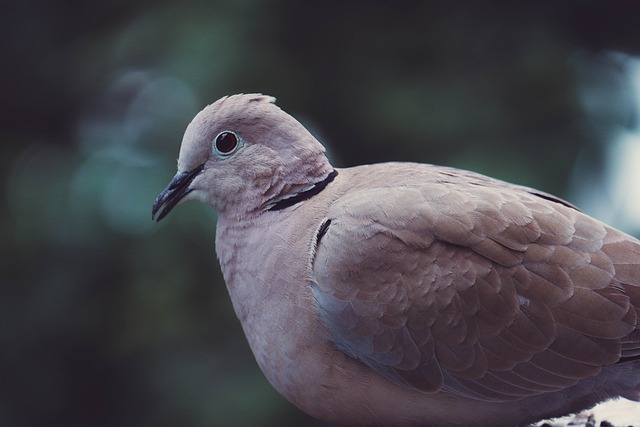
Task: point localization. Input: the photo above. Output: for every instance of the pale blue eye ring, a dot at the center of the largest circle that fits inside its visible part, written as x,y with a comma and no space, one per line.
226,143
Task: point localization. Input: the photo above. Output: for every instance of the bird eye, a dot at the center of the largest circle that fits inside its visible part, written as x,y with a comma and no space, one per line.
226,143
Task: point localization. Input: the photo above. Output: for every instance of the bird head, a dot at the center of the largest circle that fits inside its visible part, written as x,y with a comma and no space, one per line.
241,154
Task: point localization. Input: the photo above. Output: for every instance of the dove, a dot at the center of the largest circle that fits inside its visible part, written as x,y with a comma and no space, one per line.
408,294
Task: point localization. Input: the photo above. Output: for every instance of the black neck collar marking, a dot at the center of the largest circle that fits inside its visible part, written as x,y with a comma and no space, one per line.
303,195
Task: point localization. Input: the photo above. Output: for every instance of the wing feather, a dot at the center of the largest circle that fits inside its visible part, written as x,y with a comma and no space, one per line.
487,292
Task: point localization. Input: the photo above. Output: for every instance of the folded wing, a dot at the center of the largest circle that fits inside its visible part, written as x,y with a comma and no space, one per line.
487,292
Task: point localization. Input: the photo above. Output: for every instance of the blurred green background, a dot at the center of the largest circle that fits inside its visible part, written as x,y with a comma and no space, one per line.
109,319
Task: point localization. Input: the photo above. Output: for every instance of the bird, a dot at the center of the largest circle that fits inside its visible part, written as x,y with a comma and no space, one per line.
408,294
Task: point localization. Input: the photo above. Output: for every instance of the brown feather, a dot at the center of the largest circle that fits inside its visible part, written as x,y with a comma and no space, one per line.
509,294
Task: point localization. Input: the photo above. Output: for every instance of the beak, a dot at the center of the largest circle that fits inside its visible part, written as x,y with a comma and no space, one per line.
174,192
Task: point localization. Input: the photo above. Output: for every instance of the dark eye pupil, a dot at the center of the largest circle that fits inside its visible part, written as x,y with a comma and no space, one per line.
226,142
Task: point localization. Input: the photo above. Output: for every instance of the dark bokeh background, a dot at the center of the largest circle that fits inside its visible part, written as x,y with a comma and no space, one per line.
108,319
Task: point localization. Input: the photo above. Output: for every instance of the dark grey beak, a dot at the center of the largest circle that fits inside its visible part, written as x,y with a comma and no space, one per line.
174,192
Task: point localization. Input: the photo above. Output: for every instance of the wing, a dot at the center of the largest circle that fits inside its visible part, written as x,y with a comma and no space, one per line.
490,293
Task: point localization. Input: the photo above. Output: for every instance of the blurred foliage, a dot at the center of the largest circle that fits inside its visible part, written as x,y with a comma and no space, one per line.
111,320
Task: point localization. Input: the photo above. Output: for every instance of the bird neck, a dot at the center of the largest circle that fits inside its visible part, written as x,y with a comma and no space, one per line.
291,185
304,194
